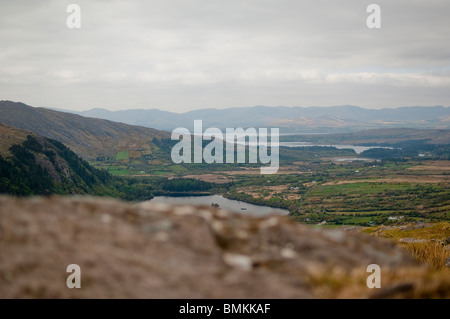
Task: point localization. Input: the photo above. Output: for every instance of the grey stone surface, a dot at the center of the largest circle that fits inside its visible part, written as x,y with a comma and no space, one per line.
158,251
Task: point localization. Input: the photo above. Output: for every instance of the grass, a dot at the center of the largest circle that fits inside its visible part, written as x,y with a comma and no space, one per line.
360,201
359,219
160,173
123,155
431,252
372,212
439,231
401,198
357,188
117,170
178,169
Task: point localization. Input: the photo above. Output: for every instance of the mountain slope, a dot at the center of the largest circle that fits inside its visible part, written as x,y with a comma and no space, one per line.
31,164
34,165
88,137
11,136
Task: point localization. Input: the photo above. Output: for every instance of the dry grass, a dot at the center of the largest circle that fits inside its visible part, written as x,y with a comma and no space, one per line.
396,283
434,165
10,136
432,253
439,231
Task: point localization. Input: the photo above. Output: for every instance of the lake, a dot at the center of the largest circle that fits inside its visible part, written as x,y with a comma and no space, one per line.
358,149
229,204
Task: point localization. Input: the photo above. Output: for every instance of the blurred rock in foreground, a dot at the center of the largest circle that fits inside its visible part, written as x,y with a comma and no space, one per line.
157,251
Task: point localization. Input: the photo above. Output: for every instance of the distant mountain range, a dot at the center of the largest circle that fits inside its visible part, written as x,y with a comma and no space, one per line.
100,139
334,119
88,137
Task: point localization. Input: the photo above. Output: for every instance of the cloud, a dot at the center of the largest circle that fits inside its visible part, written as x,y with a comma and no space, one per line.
185,54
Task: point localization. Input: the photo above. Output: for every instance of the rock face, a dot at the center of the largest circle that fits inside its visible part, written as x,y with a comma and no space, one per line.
151,250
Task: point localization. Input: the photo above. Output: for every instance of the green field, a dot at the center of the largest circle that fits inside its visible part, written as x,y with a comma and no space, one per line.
123,155
358,188
117,171
316,188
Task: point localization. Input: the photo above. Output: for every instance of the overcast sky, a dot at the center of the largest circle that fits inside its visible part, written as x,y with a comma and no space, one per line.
180,55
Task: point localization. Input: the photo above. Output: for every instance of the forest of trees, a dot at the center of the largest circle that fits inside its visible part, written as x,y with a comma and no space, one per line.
31,168
410,148
28,170
23,176
46,166
185,185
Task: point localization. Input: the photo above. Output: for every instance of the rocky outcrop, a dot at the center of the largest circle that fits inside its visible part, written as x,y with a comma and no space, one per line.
152,250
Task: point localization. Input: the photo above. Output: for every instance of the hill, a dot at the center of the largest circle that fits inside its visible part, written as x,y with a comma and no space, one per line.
11,136
88,137
31,164
346,118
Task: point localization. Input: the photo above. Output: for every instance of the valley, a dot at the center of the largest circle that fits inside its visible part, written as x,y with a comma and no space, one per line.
318,188
406,180
398,190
